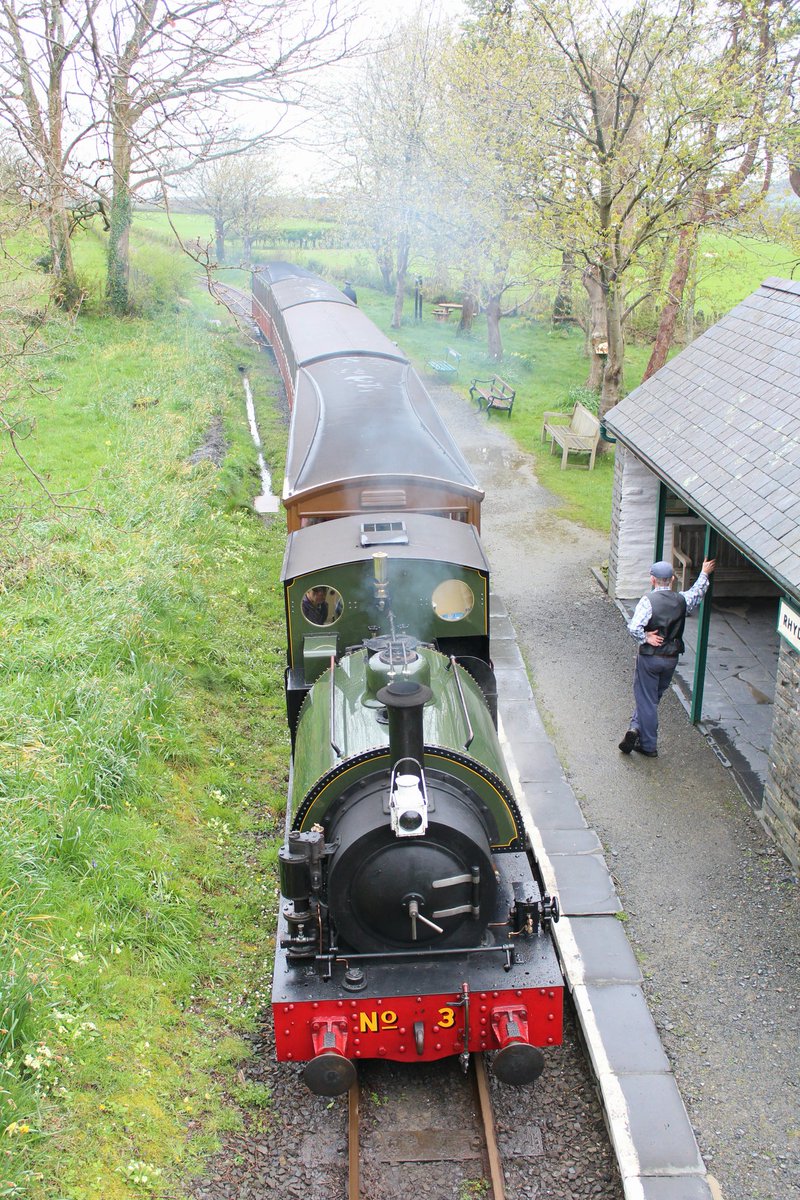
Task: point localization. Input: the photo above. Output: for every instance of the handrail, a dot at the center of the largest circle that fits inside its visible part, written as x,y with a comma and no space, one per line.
334,747
470,730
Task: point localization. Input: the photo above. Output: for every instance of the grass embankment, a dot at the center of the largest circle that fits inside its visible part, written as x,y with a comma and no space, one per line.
143,757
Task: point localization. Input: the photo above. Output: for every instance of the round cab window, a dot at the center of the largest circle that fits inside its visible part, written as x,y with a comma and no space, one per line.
452,600
322,605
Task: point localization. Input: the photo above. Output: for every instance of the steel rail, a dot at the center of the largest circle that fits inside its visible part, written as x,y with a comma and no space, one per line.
489,1129
353,1147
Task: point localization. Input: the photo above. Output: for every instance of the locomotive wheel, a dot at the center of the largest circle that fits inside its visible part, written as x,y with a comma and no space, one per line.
518,1063
329,1074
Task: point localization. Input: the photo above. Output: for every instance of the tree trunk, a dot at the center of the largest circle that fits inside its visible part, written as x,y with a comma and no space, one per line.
669,315
468,310
597,333
495,341
386,268
68,291
615,362
219,237
562,305
247,249
403,247
121,218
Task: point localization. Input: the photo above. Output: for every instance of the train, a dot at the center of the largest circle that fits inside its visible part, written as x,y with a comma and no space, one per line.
413,923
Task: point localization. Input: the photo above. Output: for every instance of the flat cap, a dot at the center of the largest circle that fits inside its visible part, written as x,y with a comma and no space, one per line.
662,570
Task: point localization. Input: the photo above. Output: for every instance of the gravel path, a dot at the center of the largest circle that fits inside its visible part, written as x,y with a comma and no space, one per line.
714,912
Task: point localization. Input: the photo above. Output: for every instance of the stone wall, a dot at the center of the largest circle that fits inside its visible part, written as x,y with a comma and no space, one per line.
781,809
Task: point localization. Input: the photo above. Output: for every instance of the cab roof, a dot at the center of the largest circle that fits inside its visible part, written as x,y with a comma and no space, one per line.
356,538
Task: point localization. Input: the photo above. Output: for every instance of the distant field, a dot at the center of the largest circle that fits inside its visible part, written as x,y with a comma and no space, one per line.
729,268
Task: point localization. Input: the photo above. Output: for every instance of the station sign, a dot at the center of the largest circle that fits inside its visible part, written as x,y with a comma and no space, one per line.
789,624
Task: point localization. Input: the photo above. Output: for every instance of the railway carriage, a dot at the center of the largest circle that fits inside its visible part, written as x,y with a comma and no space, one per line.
365,435
413,922
305,320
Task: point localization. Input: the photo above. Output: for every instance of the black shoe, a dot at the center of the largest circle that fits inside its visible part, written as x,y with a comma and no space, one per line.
648,753
629,741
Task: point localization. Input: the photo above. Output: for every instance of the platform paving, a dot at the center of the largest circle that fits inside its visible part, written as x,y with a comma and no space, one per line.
655,1145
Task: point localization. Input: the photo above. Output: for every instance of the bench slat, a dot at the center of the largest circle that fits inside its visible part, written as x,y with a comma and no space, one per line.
575,433
493,394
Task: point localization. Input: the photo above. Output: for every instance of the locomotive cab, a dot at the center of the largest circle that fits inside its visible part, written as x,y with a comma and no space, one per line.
342,578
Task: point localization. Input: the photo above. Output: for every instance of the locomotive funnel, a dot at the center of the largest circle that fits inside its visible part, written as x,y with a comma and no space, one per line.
404,700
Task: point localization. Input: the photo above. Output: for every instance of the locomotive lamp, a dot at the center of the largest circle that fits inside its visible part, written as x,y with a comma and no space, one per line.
380,569
408,803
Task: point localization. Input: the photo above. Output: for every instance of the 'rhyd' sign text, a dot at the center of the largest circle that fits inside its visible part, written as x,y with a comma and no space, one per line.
789,624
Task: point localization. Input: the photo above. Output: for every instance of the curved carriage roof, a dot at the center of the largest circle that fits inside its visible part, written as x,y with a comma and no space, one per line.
356,417
320,321
319,547
318,329
295,290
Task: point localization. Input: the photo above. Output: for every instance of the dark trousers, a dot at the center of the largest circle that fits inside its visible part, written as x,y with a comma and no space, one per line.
651,679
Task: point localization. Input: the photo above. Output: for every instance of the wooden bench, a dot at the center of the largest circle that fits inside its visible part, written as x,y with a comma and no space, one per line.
447,365
577,432
495,395
734,575
441,314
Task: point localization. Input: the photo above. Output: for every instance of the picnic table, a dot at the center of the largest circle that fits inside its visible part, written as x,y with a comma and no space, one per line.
442,311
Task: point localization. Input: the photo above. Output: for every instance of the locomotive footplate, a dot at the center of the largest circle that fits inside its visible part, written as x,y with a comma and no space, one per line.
504,994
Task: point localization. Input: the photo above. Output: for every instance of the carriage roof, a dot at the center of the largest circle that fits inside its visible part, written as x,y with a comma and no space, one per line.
357,417
319,329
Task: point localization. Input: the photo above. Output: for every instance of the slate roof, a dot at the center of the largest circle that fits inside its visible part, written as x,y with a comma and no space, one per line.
720,425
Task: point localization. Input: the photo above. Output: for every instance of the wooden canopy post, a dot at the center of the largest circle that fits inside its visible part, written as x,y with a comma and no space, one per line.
661,520
704,621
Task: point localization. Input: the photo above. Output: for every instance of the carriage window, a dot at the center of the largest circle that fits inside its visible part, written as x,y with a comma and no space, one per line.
322,605
452,600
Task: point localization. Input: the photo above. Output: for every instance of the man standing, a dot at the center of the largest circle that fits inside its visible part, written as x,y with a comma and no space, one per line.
657,624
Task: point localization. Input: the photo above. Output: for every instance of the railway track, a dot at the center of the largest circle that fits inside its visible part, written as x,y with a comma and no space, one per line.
425,1131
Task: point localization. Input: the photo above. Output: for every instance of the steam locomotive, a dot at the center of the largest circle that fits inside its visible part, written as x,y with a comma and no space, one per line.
413,922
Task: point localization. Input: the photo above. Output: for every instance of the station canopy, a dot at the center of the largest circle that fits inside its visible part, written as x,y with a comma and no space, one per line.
719,424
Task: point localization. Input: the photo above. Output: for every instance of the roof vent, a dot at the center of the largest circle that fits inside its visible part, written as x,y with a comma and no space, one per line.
384,533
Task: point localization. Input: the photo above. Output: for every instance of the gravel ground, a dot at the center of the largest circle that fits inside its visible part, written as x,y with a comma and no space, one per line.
714,910
551,1135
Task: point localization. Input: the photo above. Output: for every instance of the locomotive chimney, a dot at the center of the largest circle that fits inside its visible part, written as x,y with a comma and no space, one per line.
404,700
408,797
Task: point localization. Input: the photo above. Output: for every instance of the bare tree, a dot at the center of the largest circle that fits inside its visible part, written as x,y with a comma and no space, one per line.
166,72
254,201
483,154
40,53
387,121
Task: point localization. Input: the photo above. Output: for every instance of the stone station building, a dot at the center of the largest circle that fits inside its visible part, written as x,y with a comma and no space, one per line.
708,465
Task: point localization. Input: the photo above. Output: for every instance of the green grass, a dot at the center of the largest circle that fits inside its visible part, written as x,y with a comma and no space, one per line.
143,757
